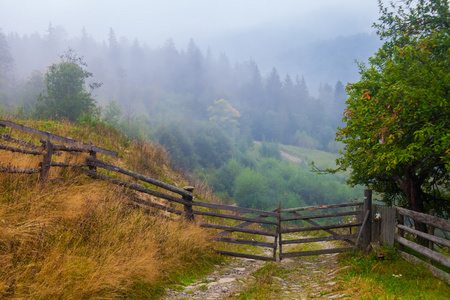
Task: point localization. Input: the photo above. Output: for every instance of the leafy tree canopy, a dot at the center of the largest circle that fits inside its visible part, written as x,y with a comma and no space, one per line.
66,94
396,138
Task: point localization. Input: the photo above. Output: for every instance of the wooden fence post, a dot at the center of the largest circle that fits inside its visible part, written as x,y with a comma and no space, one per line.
93,154
367,230
46,161
278,234
188,211
401,232
431,232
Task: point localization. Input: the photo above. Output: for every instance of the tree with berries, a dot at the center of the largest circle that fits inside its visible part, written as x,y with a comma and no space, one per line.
397,137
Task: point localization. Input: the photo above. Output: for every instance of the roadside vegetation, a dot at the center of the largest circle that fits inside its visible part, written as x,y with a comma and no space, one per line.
76,238
370,277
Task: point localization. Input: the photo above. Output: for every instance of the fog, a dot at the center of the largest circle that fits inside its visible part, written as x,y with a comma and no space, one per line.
282,64
155,21
269,32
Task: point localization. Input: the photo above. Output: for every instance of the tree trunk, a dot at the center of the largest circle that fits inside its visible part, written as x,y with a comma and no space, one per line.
411,187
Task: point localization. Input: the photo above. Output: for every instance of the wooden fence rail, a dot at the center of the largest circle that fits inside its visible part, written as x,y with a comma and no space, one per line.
427,219
55,137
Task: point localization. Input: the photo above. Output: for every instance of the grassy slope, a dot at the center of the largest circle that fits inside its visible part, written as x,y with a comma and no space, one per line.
75,237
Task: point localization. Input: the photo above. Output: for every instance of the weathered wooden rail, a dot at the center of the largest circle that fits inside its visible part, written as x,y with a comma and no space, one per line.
433,222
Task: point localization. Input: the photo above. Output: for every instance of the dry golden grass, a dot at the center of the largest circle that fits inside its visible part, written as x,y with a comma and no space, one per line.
75,237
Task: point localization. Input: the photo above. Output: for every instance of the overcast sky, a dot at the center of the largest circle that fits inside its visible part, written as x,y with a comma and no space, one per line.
154,21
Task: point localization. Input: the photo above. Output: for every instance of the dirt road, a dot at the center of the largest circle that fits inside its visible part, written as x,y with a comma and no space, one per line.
303,278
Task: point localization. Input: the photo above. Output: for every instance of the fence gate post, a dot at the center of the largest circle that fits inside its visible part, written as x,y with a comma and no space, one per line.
46,161
278,233
188,211
367,230
401,233
431,232
93,154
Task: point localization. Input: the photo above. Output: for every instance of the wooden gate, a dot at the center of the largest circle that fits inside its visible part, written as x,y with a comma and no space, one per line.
293,220
271,228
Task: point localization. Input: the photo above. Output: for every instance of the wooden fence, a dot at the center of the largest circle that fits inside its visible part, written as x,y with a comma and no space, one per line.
273,224
182,206
295,215
433,222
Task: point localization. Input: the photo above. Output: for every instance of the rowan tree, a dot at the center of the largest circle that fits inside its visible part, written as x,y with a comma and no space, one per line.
397,137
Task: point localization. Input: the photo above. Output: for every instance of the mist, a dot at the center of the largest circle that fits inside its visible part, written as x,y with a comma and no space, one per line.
263,31
281,65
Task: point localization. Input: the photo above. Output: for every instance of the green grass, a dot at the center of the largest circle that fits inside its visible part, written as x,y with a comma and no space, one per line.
390,278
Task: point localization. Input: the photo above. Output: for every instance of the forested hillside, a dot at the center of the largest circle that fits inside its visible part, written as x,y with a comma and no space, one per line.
205,109
158,84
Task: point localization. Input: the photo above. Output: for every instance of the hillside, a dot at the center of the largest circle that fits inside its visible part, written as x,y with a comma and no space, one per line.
74,237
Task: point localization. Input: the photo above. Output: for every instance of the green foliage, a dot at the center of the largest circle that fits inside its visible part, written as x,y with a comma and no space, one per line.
411,19
270,150
223,179
112,113
396,137
211,143
65,95
250,190
304,140
267,182
179,146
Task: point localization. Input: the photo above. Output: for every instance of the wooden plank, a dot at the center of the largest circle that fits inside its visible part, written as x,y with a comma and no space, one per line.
290,210
361,230
46,161
302,217
104,165
246,242
319,239
244,255
188,211
252,220
383,230
429,237
442,259
435,271
333,226
69,148
330,231
58,138
9,138
367,234
236,208
20,150
18,170
233,229
424,218
60,164
316,252
135,187
243,225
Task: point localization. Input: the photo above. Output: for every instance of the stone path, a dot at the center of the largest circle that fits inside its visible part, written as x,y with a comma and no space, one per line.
304,278
224,282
